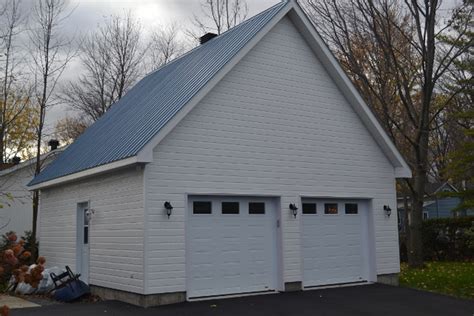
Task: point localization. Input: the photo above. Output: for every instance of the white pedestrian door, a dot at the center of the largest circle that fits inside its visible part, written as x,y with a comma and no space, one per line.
334,243
82,259
231,245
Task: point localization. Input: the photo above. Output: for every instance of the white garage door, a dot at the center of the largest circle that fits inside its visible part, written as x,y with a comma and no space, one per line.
334,242
231,245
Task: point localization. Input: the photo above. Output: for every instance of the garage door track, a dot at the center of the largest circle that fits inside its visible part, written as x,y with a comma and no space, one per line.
358,300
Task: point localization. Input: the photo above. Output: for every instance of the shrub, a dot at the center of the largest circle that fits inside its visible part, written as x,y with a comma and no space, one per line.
16,256
31,245
448,238
445,239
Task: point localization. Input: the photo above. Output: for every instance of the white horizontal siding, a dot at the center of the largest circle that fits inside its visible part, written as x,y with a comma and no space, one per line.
275,125
17,214
116,231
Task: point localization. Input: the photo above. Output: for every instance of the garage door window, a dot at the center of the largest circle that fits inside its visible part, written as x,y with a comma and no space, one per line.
309,208
202,207
330,208
230,207
256,208
352,208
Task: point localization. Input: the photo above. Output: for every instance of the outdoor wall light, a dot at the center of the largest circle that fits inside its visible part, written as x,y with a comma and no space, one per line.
387,210
89,214
169,208
294,209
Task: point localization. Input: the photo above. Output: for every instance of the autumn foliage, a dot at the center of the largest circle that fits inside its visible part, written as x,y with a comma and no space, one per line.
4,310
15,262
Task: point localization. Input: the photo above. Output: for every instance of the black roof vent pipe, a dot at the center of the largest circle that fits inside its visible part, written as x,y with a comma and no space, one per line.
16,160
207,37
53,144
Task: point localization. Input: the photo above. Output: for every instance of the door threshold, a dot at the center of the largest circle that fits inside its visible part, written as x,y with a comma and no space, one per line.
233,295
336,285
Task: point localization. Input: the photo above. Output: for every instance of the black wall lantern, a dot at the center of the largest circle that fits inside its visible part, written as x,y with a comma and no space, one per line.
294,209
387,210
169,208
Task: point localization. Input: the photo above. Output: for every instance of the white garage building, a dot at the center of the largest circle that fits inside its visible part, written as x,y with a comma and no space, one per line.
278,175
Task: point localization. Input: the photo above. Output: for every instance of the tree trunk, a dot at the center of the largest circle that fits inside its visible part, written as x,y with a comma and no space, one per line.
414,237
406,220
38,166
414,240
2,160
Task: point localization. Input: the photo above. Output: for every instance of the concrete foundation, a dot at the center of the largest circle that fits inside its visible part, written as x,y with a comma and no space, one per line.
293,286
389,279
138,299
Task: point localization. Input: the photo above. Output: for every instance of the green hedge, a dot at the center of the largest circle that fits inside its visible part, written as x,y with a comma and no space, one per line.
445,239
448,238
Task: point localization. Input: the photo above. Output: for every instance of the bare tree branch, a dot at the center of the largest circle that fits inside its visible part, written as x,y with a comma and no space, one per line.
165,46
14,89
113,61
396,54
218,16
51,52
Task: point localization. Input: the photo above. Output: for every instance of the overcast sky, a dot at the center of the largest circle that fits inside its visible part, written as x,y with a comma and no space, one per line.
152,14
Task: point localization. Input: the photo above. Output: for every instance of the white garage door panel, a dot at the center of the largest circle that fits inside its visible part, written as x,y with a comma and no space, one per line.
333,245
230,253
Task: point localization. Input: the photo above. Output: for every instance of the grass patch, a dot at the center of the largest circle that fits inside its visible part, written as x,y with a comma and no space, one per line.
451,278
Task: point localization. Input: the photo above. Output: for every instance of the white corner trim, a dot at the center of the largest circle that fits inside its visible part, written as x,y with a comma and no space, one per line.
86,173
146,237
146,153
307,29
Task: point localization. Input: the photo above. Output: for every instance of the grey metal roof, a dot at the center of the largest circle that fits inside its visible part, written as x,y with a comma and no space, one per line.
133,121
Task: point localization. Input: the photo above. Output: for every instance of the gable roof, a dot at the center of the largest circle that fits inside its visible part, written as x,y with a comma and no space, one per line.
435,188
152,102
128,132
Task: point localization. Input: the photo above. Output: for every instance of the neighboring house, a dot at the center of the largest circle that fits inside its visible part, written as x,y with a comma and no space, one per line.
250,164
17,214
435,205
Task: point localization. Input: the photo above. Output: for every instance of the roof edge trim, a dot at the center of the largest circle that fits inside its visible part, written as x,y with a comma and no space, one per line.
85,173
329,61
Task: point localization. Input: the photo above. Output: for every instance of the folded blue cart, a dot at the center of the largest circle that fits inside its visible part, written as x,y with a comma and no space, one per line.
68,287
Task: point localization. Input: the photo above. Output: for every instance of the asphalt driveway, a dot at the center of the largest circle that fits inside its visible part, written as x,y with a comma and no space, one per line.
359,300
